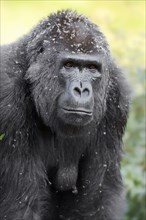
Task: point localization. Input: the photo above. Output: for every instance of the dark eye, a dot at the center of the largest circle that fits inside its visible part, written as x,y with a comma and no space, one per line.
69,64
94,68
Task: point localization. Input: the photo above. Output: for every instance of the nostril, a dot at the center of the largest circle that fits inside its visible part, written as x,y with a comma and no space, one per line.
77,91
86,92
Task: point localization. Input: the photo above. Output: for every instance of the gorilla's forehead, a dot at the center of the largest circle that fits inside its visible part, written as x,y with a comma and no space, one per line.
75,33
69,31
79,39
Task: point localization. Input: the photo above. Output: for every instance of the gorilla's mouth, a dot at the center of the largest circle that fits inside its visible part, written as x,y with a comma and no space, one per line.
78,111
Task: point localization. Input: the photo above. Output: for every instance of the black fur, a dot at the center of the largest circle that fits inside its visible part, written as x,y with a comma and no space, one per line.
50,170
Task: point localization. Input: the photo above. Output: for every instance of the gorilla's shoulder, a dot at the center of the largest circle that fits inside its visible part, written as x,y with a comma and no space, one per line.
13,59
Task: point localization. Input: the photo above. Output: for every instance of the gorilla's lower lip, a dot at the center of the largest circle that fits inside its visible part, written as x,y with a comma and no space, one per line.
78,111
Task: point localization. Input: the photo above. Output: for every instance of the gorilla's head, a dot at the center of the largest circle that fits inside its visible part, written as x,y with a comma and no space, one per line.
69,71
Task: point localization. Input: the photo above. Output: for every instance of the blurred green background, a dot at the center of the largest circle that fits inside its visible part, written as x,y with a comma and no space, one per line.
123,23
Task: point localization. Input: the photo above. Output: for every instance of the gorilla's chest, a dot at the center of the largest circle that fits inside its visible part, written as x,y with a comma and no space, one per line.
63,160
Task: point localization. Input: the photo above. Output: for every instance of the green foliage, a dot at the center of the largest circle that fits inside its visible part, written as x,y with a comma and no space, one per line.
1,136
134,166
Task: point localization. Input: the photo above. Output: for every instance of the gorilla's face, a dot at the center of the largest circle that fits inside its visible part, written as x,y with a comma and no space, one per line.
72,91
78,75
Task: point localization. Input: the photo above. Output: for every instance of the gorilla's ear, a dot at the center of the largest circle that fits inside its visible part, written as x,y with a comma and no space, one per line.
118,98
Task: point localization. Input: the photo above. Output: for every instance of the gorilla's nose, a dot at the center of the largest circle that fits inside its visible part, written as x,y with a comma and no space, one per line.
81,92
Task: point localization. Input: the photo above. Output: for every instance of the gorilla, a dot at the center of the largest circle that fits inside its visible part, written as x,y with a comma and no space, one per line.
63,109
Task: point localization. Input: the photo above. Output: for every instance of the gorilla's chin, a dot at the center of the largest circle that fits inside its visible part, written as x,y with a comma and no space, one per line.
73,123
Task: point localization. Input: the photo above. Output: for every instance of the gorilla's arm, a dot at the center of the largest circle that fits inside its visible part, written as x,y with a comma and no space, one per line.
21,171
